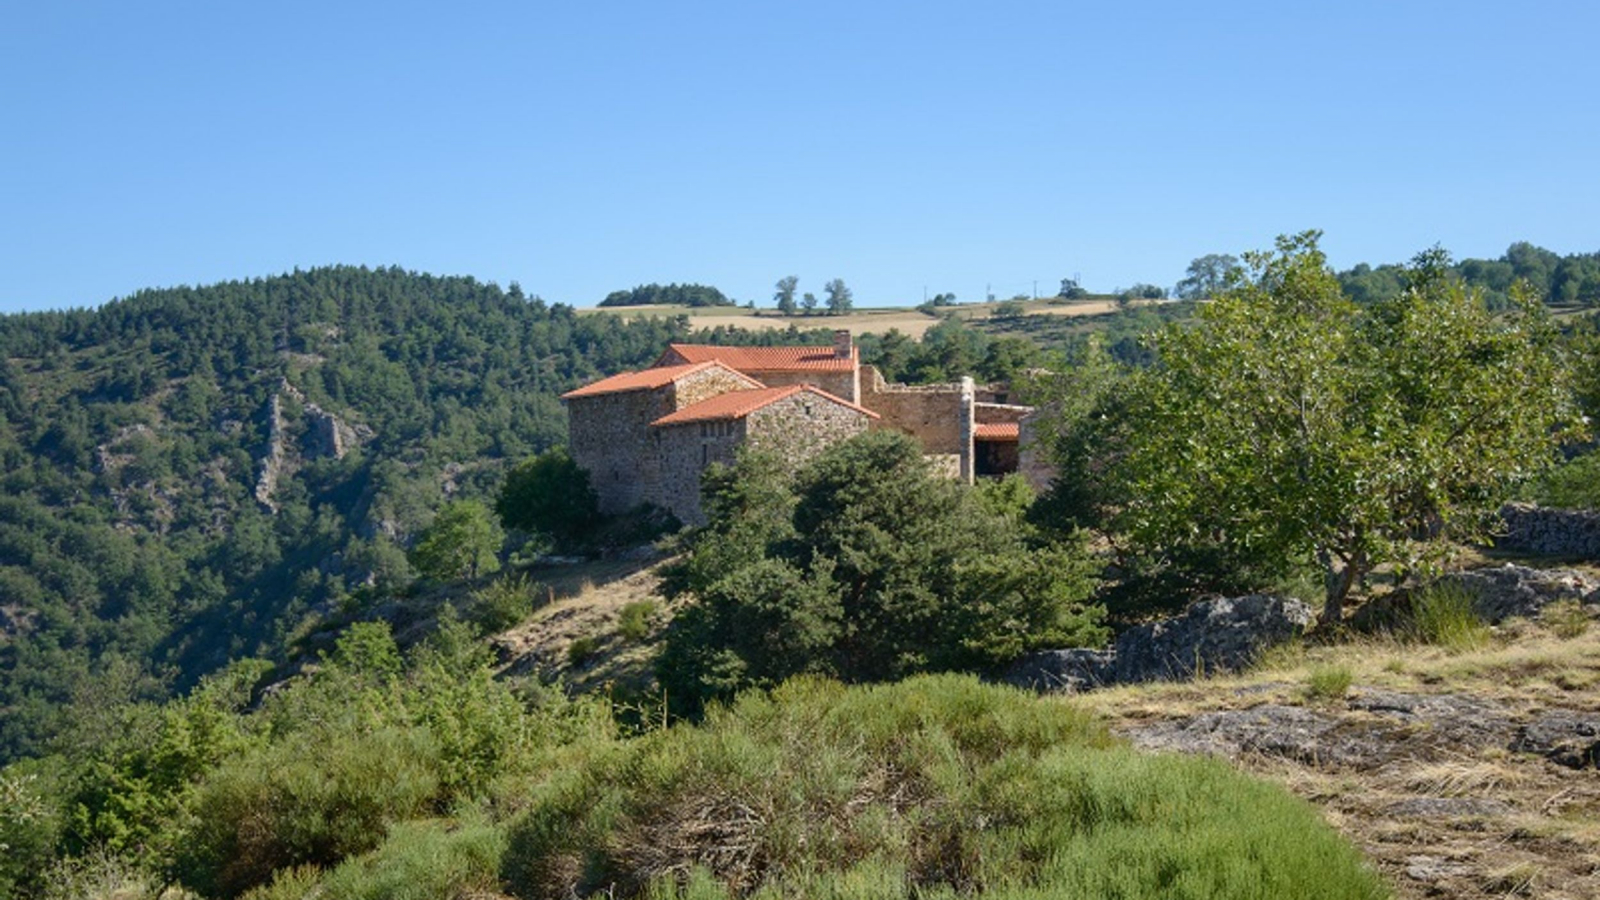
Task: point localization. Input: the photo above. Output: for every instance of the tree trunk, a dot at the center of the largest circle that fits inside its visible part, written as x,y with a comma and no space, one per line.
1336,584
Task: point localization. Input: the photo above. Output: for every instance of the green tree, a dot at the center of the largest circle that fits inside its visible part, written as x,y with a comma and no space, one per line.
1071,290
549,495
840,299
1290,425
1207,275
809,301
866,566
785,295
463,542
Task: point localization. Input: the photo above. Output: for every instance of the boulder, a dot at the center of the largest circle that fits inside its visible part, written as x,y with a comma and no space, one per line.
1512,591
1068,671
1225,634
1566,738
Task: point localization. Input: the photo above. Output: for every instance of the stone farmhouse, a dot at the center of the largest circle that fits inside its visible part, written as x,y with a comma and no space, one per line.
645,437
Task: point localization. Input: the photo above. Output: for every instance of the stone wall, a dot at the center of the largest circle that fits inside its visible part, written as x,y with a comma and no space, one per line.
705,384
1550,532
680,454
610,439
801,426
844,385
938,415
999,413
796,428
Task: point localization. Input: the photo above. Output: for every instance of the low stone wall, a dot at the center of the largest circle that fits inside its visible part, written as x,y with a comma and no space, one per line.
1550,532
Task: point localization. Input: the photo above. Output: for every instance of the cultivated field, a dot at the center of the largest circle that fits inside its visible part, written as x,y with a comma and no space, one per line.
863,321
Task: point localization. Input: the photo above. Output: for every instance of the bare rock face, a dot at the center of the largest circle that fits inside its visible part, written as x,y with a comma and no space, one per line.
1225,634
1550,532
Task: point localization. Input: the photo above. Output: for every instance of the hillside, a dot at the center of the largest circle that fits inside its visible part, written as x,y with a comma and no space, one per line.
198,474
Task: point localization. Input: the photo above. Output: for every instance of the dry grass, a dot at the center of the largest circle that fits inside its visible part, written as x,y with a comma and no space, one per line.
865,321
1542,841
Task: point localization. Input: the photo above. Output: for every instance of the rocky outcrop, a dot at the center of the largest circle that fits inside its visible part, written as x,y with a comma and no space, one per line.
1226,634
272,460
1550,532
1566,738
1512,591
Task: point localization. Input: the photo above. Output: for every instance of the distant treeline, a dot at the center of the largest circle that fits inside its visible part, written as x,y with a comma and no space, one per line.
1572,280
668,295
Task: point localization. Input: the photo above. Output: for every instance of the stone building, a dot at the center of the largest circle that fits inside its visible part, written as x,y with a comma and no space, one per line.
645,437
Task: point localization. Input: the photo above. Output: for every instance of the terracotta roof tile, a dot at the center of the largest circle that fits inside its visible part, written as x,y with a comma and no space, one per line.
738,404
649,379
770,359
998,431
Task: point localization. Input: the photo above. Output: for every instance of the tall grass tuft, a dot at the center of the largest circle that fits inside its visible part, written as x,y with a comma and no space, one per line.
936,787
1328,682
1443,615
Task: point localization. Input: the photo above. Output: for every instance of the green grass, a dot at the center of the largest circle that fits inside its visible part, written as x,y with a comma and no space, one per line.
1329,682
1443,615
936,787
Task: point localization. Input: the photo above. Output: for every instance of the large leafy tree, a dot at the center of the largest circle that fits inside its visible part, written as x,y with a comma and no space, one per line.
549,495
463,542
1289,424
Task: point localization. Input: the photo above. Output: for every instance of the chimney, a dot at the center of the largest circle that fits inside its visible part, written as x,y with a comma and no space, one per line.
841,343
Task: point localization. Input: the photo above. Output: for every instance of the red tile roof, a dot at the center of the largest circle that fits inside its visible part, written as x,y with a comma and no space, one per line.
649,379
738,404
769,359
998,431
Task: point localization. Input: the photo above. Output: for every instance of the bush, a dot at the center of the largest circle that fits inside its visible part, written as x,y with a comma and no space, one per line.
302,802
939,786
418,861
1574,484
579,651
633,620
550,495
503,604
1443,615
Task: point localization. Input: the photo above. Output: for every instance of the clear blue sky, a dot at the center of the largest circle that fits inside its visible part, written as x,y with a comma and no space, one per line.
583,147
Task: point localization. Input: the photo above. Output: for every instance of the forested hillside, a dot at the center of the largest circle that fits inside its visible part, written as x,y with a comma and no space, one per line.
157,518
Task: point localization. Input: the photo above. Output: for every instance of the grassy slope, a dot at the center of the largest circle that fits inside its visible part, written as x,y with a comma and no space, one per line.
1544,839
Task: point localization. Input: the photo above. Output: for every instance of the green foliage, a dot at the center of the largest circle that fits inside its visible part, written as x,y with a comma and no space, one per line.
1289,425
933,787
840,298
633,620
784,298
463,542
1208,275
131,437
1443,615
1572,484
867,567
549,495
668,295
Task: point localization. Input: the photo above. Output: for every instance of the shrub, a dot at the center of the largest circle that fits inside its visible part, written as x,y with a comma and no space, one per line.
1574,484
633,620
504,603
420,861
308,801
549,495
938,786
1328,682
579,651
1443,615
